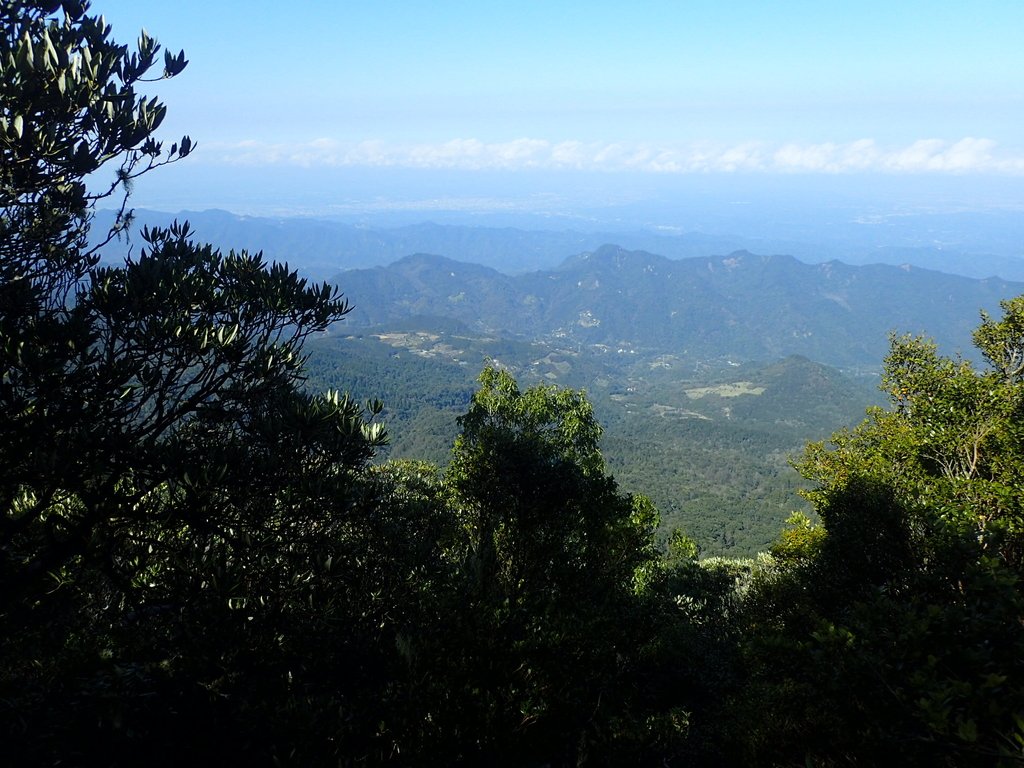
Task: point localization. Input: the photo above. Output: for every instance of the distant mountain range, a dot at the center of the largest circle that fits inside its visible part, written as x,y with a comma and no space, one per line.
683,301
738,307
322,247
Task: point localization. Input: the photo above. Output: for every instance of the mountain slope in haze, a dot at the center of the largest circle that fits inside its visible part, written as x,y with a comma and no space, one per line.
322,247
738,307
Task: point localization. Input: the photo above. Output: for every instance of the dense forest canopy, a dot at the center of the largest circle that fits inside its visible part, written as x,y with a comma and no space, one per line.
201,564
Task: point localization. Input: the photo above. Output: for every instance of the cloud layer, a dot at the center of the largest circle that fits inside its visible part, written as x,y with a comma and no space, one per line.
967,155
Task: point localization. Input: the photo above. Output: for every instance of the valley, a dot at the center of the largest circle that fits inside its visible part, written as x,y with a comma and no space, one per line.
709,375
709,442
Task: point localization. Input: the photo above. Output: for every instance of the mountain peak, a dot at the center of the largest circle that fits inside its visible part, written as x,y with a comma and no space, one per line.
610,256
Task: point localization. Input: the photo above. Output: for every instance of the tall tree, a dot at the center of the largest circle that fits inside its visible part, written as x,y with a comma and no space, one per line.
548,571
171,497
892,631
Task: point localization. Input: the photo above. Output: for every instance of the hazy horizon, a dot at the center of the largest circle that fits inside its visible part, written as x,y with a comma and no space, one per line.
736,118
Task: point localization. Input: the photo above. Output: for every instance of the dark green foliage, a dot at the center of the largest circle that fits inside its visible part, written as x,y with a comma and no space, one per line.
169,493
893,633
870,654
547,574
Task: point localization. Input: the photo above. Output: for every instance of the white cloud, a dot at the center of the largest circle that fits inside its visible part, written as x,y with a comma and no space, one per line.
967,155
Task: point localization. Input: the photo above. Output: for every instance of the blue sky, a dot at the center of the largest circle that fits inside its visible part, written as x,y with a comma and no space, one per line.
664,88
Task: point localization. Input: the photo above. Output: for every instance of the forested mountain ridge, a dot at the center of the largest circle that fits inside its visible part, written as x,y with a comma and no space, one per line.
738,307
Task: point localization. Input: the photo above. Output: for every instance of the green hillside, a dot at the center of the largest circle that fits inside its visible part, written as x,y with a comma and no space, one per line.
709,444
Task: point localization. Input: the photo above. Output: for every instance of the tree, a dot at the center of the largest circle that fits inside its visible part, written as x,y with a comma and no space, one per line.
951,439
69,109
172,499
529,487
1002,341
892,631
548,622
